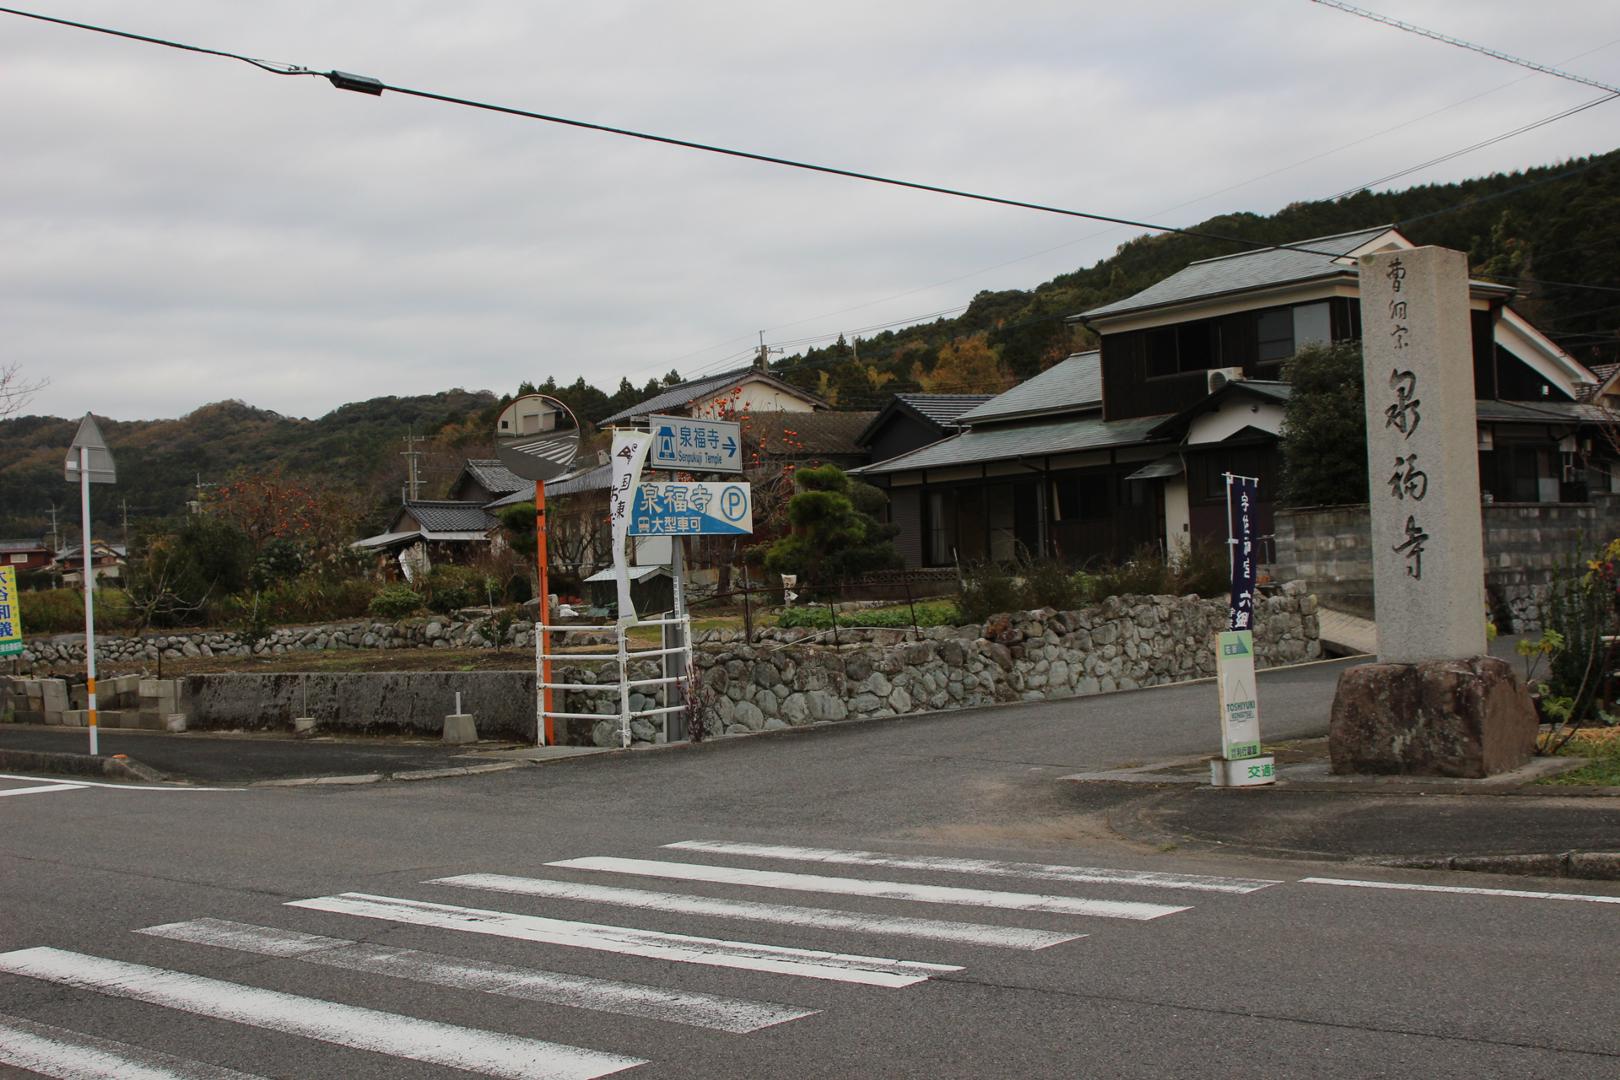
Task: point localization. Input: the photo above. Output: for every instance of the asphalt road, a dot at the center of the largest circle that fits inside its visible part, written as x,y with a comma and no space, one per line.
168,928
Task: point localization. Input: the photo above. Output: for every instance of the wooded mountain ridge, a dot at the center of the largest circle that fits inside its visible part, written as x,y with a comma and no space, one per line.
1553,231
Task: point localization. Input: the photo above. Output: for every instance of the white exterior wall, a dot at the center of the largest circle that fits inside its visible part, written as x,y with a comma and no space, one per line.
754,395
1233,417
1177,517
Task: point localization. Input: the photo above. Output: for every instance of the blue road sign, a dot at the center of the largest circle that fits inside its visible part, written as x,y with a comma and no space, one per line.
715,508
691,445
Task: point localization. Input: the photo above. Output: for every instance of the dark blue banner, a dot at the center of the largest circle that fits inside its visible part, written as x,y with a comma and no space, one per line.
1241,495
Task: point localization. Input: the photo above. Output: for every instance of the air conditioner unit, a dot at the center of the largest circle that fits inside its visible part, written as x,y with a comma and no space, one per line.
1219,377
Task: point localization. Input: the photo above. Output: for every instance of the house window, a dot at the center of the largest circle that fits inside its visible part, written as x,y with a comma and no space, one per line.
19,558
1275,335
1313,325
941,530
1161,351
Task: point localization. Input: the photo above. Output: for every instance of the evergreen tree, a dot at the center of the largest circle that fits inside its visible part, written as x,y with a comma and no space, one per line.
1324,432
836,532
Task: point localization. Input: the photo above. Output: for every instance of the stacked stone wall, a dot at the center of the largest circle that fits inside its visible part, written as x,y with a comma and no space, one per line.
780,679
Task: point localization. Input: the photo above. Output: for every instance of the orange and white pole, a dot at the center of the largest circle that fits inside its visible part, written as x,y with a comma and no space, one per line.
89,598
543,611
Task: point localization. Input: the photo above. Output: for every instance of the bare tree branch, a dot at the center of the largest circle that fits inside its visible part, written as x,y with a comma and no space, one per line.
15,393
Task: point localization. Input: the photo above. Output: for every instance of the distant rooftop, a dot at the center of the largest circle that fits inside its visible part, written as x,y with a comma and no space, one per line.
1248,270
683,394
1073,384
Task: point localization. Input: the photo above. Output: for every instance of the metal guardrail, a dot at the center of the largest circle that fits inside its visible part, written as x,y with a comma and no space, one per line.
622,656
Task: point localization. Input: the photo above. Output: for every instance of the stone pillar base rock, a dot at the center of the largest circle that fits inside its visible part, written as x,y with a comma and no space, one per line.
1460,718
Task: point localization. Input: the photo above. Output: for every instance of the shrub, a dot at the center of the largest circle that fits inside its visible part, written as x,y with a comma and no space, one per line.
395,602
61,611
300,600
450,587
930,613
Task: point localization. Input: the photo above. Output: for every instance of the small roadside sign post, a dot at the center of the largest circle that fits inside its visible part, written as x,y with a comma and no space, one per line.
89,462
686,444
1241,764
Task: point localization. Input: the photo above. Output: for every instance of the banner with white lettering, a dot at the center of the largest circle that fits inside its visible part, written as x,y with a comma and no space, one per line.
1241,495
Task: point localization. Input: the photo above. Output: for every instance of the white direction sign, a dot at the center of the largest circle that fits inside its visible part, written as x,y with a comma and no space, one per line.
681,442
716,508
100,468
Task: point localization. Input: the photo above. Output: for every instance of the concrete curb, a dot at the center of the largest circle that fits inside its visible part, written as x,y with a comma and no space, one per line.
117,767
1591,865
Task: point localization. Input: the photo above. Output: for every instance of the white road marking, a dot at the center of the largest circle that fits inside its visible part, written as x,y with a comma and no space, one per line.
1039,871
40,789
73,1055
892,890
714,952
711,1011
120,787
1521,894
1005,937
489,1052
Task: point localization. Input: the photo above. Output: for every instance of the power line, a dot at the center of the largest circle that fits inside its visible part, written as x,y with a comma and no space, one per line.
1479,145
1494,54
375,87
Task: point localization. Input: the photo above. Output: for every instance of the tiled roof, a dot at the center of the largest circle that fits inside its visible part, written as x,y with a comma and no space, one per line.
1248,270
685,393
1069,385
1541,412
24,545
595,478
807,434
443,516
495,477
1013,441
943,409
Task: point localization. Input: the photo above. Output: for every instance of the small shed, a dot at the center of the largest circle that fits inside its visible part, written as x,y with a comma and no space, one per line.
652,588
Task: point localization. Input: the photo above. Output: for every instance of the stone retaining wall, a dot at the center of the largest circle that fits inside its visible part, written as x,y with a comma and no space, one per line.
786,678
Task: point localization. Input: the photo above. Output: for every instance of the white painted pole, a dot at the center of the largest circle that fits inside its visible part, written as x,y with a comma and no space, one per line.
89,598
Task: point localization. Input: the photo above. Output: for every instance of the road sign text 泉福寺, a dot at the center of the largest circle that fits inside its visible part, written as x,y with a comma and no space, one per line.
696,509
690,445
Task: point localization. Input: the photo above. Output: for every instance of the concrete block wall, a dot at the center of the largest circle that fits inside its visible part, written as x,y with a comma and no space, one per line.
126,701
1526,546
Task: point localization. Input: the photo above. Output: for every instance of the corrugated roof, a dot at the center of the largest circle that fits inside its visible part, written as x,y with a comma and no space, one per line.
443,516
1008,442
495,477
1070,384
24,545
682,394
1247,270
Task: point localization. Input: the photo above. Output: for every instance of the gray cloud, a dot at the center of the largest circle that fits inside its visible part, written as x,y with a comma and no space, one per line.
177,229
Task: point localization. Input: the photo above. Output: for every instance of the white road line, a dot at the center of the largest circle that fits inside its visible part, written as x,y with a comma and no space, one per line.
489,1052
73,1055
892,890
120,787
40,789
1520,894
1039,871
711,1011
1005,937
714,952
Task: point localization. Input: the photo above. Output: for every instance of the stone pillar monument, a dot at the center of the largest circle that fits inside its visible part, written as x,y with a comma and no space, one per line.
1434,704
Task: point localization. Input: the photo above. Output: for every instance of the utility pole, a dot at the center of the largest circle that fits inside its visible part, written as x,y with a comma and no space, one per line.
411,454
125,505
56,542
198,502
762,362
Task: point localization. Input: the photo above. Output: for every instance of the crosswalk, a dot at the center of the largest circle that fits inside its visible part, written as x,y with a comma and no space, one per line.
534,922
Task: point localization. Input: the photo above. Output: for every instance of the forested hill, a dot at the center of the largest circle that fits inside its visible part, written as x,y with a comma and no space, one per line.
1553,231
160,462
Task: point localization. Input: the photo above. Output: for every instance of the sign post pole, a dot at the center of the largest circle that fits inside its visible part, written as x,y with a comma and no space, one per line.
1241,764
542,621
89,600
89,460
537,438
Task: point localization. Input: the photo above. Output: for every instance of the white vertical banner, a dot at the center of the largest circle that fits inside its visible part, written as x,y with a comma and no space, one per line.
629,454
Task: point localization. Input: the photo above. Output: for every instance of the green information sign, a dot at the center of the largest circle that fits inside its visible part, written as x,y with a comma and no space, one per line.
1240,709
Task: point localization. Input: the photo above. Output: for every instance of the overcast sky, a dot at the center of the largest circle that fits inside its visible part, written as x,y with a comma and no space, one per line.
177,229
